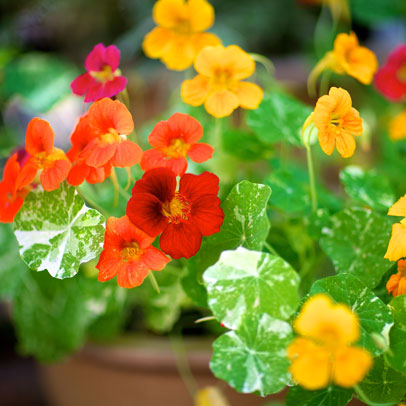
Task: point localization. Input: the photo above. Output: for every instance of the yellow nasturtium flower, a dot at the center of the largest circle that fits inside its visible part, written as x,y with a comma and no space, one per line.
397,127
397,244
324,351
337,122
219,84
347,57
180,34
397,282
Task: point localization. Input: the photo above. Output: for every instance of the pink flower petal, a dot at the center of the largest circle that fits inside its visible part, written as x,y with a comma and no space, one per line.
96,58
95,92
115,86
112,57
82,83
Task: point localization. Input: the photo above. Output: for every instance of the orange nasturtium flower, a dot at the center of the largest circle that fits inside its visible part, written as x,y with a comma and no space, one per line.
51,162
347,57
397,282
180,34
324,351
397,244
337,122
219,83
397,127
128,253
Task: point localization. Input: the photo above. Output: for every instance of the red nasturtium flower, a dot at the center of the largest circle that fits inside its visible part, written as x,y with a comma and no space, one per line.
391,78
99,142
173,141
103,78
14,187
183,215
128,253
52,162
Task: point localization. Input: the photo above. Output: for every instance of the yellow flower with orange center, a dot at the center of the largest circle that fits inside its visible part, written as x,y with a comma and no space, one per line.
347,57
324,352
180,34
219,84
397,244
397,127
397,282
337,122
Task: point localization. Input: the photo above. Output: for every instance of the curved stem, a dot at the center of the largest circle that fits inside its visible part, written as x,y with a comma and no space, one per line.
154,282
270,248
264,61
92,203
310,167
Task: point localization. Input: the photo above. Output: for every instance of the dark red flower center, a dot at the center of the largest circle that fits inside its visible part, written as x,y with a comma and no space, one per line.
131,251
177,209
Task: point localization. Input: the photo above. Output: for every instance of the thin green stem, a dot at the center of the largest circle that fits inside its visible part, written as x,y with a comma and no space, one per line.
203,319
310,167
324,82
265,62
216,142
270,248
92,203
154,282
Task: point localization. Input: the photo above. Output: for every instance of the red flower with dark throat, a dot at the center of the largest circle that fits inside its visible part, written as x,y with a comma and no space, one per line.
391,78
182,215
128,253
103,78
173,141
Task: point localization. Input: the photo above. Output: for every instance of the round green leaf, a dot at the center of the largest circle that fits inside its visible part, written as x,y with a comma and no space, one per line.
57,232
383,386
279,117
374,316
253,358
356,242
367,187
396,356
248,283
330,396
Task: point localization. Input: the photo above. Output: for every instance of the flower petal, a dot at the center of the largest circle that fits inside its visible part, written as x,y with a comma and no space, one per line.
95,92
196,90
397,244
345,143
98,153
185,126
201,15
221,103
115,86
96,58
398,208
154,158
133,275
52,177
78,173
209,60
112,57
128,153
160,135
39,137
194,186
327,140
207,215
99,174
200,152
249,95
203,40
82,84
167,13
180,53
238,62
109,266
155,259
181,240
156,42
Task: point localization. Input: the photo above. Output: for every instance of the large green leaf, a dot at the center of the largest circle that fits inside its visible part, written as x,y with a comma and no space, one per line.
253,358
374,316
375,11
356,242
367,187
383,386
245,224
57,232
247,283
51,315
396,356
279,117
330,396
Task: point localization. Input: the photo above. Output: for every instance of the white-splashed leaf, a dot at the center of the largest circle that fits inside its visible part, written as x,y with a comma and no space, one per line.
374,316
253,358
382,386
330,396
248,283
57,232
367,187
356,242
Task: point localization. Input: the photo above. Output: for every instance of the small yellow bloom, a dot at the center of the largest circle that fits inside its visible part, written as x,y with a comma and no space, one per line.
397,282
397,127
337,122
180,34
347,57
210,396
324,352
219,82
397,244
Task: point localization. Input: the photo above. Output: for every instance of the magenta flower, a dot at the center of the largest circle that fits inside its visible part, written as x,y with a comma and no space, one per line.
103,78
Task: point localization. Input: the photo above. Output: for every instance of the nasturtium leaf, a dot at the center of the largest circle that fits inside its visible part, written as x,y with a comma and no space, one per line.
51,315
373,314
246,283
367,187
383,386
57,232
245,224
253,358
279,117
330,396
396,356
356,243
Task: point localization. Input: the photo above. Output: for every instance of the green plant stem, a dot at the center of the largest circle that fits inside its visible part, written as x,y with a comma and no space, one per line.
92,203
182,365
154,282
324,82
270,248
216,142
203,319
310,167
265,62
